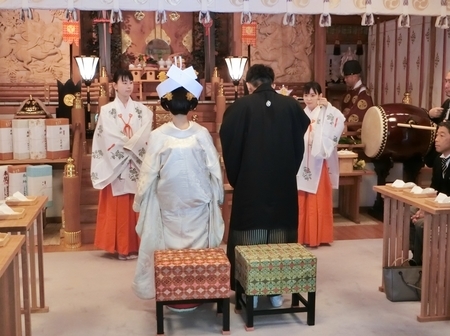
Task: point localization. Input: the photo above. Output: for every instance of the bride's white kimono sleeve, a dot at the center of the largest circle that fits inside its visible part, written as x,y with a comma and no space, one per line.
149,225
327,132
216,224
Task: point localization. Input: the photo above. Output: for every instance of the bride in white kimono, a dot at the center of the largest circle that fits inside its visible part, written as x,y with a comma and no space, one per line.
180,185
319,171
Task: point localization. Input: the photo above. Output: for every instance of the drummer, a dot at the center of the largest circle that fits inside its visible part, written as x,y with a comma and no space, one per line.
438,115
357,100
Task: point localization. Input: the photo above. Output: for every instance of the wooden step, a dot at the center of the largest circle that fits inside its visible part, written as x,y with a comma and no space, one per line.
88,233
88,213
89,196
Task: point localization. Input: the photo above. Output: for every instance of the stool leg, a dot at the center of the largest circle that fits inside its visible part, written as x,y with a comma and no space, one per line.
311,314
238,294
226,316
295,300
219,306
159,318
249,311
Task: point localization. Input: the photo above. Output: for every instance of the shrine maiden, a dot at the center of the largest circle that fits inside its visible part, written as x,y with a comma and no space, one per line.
118,148
319,171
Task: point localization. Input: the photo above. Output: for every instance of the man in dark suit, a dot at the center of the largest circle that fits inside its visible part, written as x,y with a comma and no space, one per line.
440,181
262,144
438,115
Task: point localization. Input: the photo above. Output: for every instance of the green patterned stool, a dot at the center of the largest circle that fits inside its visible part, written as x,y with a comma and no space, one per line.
272,270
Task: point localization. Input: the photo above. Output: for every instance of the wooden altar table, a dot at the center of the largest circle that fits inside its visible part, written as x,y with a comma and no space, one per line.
10,320
25,226
435,299
349,194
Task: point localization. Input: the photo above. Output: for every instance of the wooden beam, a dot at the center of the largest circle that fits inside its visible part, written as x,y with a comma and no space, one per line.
319,53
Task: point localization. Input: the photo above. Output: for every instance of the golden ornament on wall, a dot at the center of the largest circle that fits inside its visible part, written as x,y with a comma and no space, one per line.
126,41
187,41
300,3
174,16
391,4
68,99
139,15
420,4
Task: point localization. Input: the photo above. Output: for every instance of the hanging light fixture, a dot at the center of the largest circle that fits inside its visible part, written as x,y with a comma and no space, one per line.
236,65
87,66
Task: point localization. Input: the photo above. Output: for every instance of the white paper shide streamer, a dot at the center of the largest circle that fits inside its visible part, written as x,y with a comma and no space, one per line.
246,16
160,14
289,17
404,20
442,20
116,13
325,17
367,18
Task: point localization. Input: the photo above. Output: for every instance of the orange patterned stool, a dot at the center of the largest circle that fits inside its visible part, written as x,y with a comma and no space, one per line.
192,276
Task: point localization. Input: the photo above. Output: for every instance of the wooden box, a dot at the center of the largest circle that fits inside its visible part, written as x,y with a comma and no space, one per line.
58,138
6,140
346,161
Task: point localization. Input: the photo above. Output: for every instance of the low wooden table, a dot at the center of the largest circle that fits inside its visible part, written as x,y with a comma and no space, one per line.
10,320
435,298
25,226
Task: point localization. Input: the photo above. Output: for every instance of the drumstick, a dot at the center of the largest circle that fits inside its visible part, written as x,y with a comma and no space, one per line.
428,128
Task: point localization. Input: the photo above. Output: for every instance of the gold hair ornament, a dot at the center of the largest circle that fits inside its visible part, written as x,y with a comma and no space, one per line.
168,96
189,96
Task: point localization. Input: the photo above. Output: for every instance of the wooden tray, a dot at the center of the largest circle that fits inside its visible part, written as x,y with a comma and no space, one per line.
4,238
31,201
428,195
20,213
389,185
438,205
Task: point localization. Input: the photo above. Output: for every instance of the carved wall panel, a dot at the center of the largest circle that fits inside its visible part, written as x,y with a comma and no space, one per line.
33,51
288,50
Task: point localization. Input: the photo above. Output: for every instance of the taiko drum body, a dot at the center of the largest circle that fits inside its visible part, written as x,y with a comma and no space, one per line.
382,137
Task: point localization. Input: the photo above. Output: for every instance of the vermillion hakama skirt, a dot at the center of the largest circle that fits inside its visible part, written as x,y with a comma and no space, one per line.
316,213
116,223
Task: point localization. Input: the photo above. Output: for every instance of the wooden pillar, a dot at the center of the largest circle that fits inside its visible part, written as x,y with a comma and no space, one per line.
78,117
236,44
215,81
320,44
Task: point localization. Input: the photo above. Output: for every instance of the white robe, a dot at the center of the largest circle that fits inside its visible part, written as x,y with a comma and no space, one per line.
321,139
117,152
179,194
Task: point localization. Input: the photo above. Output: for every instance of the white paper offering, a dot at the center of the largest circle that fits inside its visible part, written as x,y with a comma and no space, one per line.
416,190
398,183
18,196
440,197
6,210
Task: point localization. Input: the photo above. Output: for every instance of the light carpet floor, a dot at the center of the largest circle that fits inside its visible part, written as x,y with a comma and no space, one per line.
90,294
